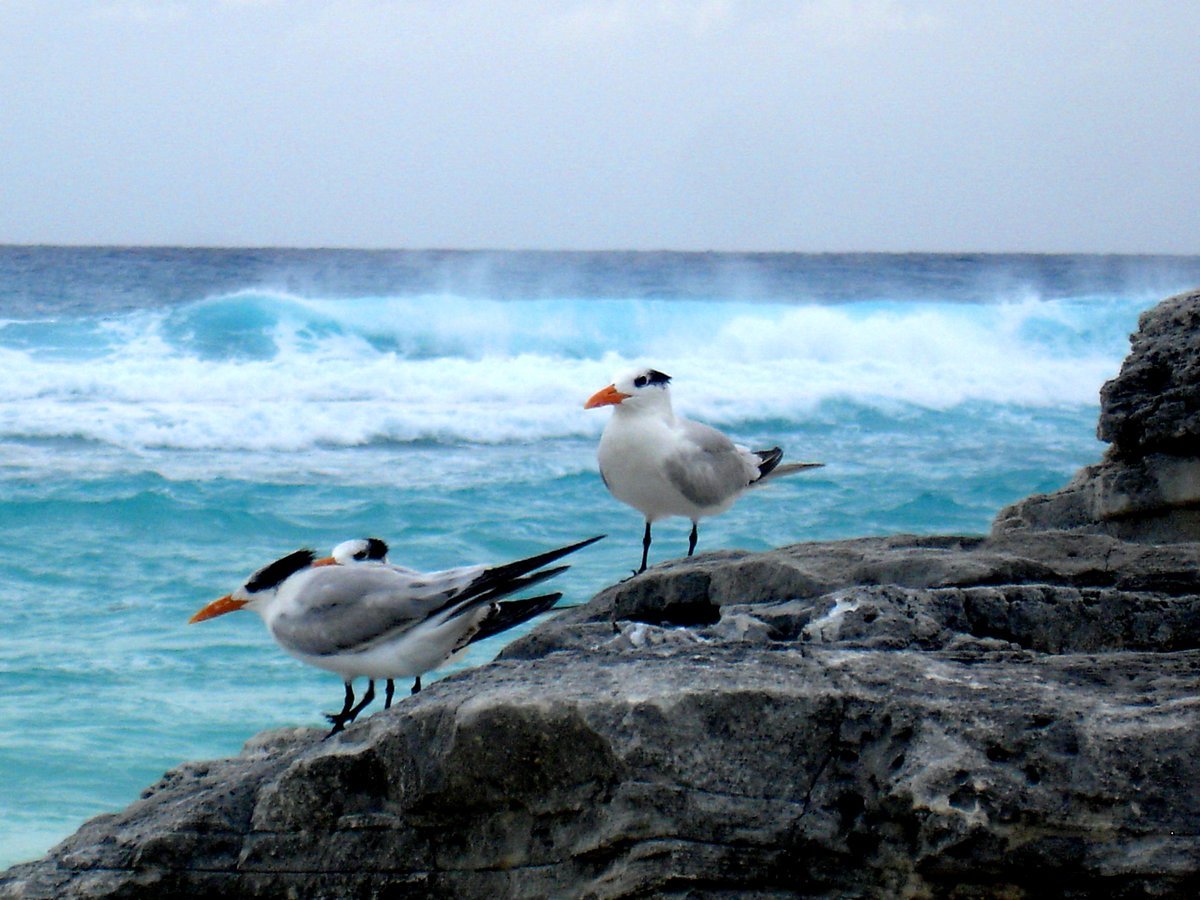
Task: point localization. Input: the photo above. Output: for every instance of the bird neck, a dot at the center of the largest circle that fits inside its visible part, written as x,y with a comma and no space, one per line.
654,407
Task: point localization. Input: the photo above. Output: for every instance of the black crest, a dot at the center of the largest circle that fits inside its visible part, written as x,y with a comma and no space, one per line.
279,571
652,376
376,550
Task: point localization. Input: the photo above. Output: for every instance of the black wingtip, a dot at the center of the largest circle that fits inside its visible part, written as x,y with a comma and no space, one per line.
571,548
512,585
521,566
504,573
499,581
511,613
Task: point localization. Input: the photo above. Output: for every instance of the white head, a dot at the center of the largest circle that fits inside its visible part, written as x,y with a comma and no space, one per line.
261,587
639,389
360,550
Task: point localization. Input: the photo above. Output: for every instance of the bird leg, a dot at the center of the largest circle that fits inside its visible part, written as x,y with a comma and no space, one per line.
387,697
692,540
340,719
645,549
350,711
362,704
416,688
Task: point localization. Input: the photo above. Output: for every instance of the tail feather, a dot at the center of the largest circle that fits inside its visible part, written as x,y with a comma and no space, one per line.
511,613
770,468
793,468
769,460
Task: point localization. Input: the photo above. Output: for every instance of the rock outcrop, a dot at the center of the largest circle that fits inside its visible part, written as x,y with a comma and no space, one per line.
919,716
1147,487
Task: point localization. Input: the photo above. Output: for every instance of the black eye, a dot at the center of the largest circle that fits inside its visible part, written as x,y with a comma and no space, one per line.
640,381
360,555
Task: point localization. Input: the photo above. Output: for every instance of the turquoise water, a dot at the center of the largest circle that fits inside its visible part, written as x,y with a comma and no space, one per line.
170,420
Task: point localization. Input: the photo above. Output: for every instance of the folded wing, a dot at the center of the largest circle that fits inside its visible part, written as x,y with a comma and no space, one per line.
350,609
707,467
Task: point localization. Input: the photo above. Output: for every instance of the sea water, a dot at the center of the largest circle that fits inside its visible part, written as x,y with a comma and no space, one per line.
172,419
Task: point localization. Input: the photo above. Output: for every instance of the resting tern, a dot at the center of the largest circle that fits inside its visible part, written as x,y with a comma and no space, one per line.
665,465
375,620
497,618
364,550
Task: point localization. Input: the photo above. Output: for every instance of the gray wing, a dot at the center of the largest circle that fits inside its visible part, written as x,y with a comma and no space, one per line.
708,468
343,609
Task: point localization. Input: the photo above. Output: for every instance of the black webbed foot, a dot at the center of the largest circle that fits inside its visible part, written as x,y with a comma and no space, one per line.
339,719
362,704
349,711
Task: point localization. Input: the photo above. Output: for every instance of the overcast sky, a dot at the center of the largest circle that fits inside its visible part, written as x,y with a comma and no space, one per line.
601,124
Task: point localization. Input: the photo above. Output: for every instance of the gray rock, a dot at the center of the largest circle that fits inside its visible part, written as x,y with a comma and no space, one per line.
1147,486
889,716
694,592
1153,405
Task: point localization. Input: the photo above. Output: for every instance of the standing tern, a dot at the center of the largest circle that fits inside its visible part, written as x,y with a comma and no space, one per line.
378,621
665,465
497,618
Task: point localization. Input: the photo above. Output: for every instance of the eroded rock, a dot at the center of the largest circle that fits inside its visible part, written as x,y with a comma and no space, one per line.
1147,486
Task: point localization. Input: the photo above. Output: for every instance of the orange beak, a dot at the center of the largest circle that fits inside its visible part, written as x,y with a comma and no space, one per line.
325,561
218,607
608,396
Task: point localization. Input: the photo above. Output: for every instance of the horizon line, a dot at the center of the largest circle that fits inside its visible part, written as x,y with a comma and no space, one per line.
663,251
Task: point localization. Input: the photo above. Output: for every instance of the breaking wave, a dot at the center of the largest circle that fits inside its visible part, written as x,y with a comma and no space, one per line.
259,371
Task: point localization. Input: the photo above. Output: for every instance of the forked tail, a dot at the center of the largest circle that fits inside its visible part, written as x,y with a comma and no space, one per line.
770,468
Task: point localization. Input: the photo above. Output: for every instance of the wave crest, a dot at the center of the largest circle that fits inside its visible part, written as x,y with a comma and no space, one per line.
257,371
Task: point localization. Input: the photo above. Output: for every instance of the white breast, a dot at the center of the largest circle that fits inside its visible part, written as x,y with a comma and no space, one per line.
633,455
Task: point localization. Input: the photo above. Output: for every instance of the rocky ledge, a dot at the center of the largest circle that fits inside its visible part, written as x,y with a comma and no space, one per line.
1015,715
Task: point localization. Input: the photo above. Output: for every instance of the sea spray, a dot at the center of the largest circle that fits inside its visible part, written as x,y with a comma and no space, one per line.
253,373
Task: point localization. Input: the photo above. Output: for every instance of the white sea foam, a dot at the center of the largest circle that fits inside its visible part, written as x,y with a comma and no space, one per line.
274,373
